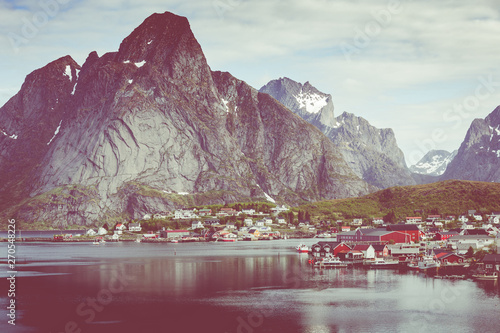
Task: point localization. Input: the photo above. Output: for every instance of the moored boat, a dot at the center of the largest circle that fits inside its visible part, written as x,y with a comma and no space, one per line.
382,263
486,276
302,248
428,262
330,262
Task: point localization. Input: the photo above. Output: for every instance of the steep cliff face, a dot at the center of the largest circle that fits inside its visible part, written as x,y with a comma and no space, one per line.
151,126
372,153
479,155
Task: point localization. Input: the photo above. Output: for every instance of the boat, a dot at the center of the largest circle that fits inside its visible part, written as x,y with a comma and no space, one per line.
137,240
428,262
174,241
382,263
486,276
302,248
330,262
227,239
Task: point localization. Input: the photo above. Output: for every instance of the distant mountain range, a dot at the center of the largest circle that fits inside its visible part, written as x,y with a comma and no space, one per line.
372,153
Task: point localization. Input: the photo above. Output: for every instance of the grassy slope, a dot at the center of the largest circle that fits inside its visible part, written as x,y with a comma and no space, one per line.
451,197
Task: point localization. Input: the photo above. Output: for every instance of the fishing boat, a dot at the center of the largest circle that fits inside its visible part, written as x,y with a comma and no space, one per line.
174,241
330,262
137,240
382,263
302,248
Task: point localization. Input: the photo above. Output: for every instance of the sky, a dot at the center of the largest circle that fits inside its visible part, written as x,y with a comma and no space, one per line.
425,68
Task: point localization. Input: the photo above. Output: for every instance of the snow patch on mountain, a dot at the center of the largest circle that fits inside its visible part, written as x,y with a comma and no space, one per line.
55,133
434,163
313,103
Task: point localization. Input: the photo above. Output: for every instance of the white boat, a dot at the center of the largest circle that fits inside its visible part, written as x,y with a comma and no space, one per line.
174,241
302,248
382,263
137,240
330,262
428,262
486,276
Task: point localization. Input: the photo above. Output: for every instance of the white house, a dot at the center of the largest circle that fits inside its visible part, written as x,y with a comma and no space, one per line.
413,219
184,214
102,231
467,226
495,219
463,219
279,209
248,211
478,217
260,223
357,222
134,227
462,242
281,220
248,222
120,228
197,225
268,221
378,221
91,232
146,217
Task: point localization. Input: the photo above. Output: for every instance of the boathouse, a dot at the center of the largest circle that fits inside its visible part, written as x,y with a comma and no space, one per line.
410,229
492,262
321,249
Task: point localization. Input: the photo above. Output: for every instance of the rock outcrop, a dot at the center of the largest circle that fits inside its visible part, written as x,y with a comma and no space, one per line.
479,155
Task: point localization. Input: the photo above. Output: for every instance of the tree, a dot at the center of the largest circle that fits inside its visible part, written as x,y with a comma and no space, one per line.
390,217
307,216
470,252
291,217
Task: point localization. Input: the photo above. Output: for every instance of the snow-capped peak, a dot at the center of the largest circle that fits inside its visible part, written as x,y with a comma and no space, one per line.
434,163
312,102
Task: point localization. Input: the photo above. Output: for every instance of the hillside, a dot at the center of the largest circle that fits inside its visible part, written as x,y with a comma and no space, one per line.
450,197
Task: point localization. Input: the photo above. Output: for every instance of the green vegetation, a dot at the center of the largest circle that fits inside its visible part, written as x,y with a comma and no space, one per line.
451,197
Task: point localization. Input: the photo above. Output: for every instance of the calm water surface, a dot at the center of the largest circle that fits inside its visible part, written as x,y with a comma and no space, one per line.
243,287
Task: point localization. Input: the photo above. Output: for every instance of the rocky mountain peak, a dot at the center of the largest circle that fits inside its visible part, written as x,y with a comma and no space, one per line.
434,163
165,44
303,99
479,155
372,153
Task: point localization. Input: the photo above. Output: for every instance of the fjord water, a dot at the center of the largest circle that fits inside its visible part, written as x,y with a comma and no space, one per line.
238,287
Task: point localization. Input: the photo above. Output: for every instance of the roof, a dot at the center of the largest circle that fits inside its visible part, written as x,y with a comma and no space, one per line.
443,255
491,258
443,233
361,247
400,227
379,247
457,237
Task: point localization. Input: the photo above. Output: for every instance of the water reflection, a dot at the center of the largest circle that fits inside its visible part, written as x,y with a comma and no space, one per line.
237,288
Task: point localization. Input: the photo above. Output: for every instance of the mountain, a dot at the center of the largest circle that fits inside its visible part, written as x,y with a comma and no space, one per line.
372,153
478,157
434,163
151,128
